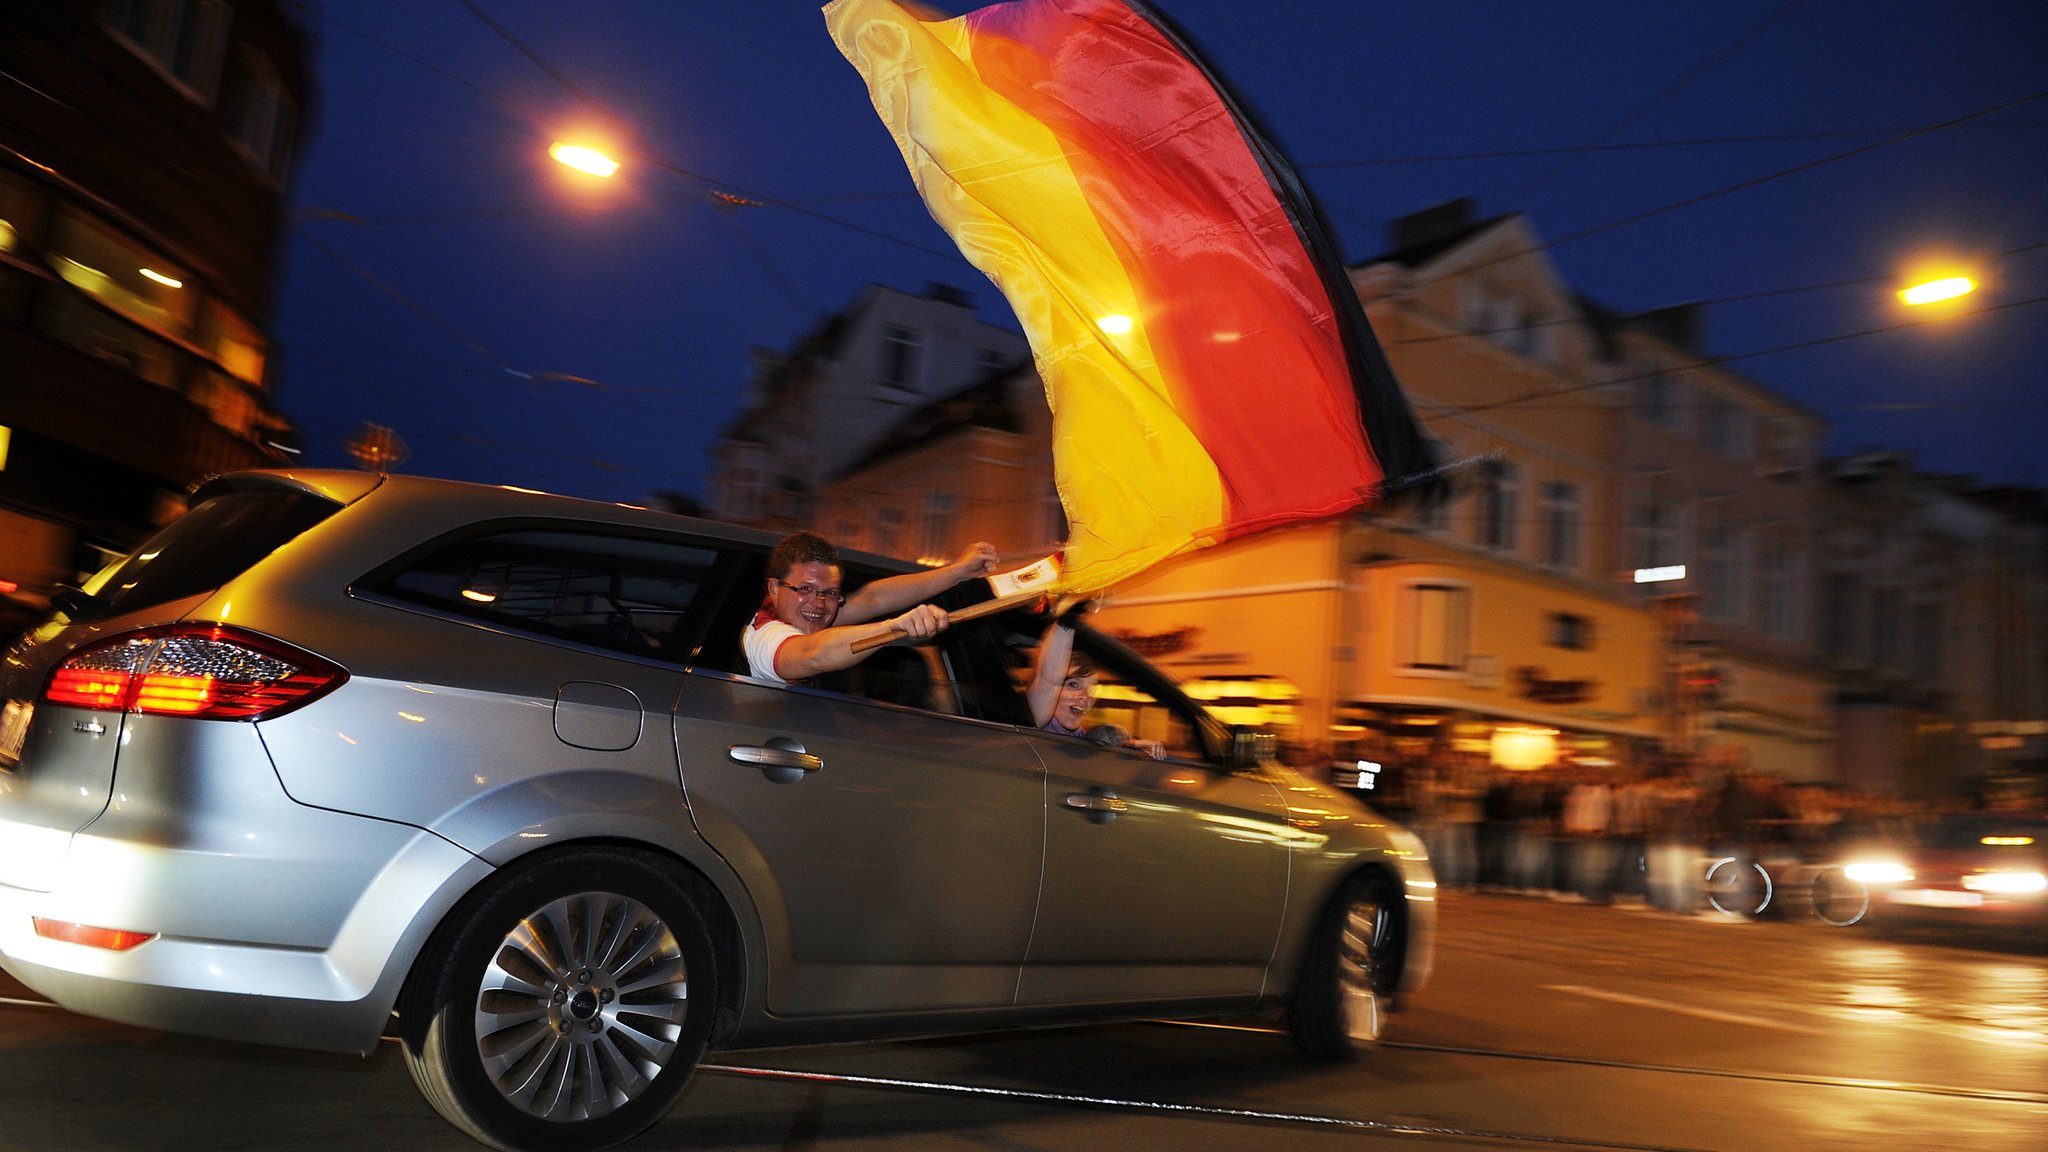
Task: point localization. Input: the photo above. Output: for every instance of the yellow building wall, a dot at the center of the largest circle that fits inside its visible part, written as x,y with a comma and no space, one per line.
1511,670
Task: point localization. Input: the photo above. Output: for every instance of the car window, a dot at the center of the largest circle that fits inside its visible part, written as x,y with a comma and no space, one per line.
214,542
1137,701
621,593
924,676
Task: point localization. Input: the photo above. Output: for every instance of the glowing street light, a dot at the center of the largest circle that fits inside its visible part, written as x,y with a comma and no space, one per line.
583,159
1935,291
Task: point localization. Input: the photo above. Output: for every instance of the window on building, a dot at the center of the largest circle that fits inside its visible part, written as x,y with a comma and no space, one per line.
1498,506
1570,630
226,400
901,354
1653,533
235,343
1839,598
1561,520
1774,599
1440,615
1507,324
1724,426
1655,398
938,526
135,281
1781,448
1884,629
1720,578
1926,657
20,211
260,116
186,39
888,529
1435,515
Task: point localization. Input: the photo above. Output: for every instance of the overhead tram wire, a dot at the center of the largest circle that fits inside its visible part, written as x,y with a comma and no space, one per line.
1710,361
711,184
1731,298
1528,190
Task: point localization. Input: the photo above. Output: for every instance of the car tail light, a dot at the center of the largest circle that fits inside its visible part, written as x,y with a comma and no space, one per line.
208,672
112,939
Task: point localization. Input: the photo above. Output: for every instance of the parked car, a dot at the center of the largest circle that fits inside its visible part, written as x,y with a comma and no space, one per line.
1985,869
336,756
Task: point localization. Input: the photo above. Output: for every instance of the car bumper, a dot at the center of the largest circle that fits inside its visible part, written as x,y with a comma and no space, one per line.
291,946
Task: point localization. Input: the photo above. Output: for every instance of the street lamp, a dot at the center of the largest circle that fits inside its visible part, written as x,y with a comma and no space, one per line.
1938,289
583,158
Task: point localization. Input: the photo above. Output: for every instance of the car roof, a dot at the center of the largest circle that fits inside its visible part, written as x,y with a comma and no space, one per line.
493,501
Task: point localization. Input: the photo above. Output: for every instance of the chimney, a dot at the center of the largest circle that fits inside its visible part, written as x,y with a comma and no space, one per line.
1681,325
1432,224
948,294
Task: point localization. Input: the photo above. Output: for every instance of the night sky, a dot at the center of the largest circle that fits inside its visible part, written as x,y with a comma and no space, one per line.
442,276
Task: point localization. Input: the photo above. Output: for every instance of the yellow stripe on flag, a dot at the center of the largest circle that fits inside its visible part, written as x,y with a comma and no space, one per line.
1136,482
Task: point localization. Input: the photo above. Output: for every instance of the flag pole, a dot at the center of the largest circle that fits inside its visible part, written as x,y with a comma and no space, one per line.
971,612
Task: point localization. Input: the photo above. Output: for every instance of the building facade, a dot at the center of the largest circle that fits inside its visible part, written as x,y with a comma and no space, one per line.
1878,634
1718,477
828,401
1934,623
145,146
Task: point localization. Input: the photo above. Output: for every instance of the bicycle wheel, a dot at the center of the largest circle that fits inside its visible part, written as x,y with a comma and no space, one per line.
1839,900
1738,887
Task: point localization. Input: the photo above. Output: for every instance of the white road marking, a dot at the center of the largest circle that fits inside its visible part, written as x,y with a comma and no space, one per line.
1682,1009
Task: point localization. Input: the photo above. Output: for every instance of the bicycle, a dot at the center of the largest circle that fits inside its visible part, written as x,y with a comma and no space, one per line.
1739,886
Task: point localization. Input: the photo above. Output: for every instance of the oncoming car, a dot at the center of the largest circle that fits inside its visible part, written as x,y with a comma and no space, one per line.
1986,869
338,756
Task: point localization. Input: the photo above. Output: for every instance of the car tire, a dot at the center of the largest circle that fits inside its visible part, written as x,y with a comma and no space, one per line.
563,1007
1351,969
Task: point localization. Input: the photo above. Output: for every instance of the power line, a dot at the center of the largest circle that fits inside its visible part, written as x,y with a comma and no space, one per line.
1596,149
1769,177
1660,96
1731,298
1710,361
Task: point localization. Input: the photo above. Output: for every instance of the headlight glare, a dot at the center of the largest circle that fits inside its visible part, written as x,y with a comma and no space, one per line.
2010,883
1878,872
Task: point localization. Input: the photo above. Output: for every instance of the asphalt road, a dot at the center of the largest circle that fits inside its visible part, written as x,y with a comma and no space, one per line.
1549,1026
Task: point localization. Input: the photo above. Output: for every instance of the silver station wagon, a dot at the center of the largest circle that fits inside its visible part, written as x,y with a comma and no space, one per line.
338,756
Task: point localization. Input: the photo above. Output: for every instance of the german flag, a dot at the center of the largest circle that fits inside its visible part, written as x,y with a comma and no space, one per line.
1210,370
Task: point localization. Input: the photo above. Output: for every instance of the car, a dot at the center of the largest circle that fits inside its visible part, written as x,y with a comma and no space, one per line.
339,755
1981,869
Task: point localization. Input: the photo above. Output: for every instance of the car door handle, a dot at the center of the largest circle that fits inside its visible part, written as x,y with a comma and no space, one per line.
783,761
1100,804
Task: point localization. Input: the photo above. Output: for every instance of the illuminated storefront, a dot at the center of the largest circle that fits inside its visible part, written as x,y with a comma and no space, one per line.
1391,660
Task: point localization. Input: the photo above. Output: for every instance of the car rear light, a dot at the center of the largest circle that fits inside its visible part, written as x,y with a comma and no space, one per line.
112,939
2007,883
208,672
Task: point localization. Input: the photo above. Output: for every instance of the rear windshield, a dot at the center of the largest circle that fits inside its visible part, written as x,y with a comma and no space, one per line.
205,548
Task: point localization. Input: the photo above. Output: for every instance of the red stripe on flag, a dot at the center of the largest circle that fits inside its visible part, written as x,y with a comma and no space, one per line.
1243,329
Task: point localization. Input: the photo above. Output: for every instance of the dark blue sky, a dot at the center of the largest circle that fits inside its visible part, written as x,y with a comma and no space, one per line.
438,253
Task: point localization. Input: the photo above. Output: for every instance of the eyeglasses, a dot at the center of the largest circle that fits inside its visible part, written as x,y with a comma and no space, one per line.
813,592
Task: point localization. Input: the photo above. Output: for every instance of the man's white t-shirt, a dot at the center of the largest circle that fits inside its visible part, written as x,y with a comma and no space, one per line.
761,640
